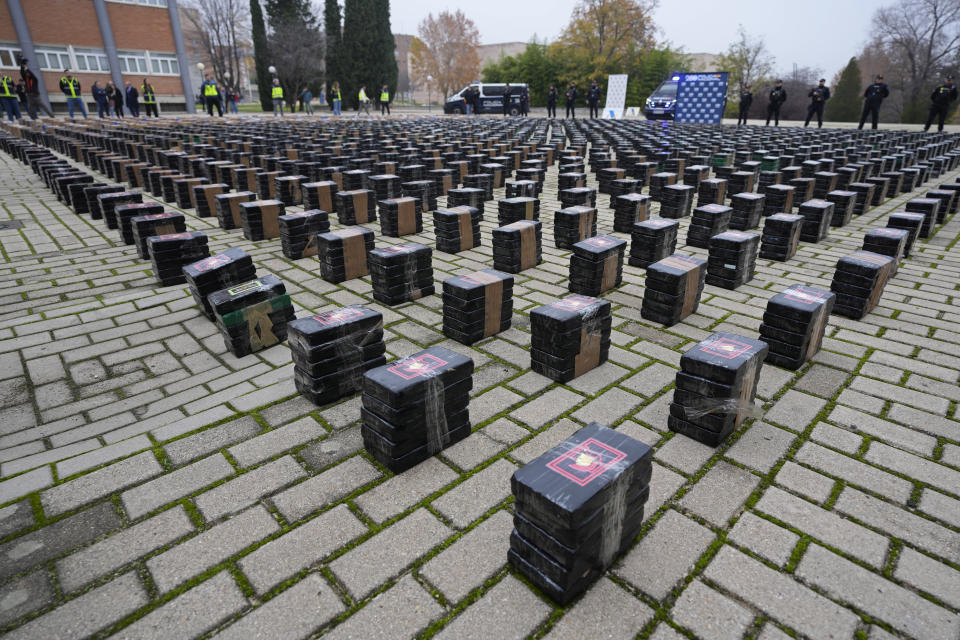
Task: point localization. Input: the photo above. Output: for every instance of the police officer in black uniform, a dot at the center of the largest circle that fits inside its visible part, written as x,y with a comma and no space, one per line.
571,96
746,99
507,97
778,95
818,98
940,100
552,96
593,99
872,99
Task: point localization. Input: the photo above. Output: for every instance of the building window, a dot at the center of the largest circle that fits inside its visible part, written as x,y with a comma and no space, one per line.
90,60
9,55
133,62
148,3
164,64
52,58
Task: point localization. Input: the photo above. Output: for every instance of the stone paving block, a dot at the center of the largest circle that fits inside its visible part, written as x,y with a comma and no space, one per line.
15,517
545,440
472,559
287,411
247,488
929,575
509,609
822,381
861,401
720,493
342,415
85,615
914,466
608,407
210,440
855,472
185,560
900,524
47,456
301,547
477,494
18,451
893,433
530,383
295,613
167,488
903,609
925,422
125,546
770,632
402,491
665,555
25,595
273,442
824,525
333,448
485,406
402,611
193,612
473,450
837,438
45,369
764,538
761,446
780,596
546,407
100,483
917,399
389,552
940,506
25,483
655,414
684,453
102,455
605,611
664,483
795,410
710,614
649,381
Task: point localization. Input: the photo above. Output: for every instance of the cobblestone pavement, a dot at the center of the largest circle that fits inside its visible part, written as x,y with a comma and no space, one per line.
154,486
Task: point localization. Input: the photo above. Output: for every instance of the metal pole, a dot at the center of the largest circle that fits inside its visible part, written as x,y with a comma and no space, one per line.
106,34
181,55
26,46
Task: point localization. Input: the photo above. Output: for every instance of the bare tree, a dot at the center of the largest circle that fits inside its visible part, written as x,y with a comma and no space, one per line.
223,28
921,40
448,50
747,61
297,50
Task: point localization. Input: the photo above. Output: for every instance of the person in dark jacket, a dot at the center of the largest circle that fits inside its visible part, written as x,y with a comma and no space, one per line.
593,99
746,99
133,100
70,86
507,97
571,96
149,99
22,95
115,94
818,98
872,99
778,95
32,88
552,96
524,101
100,97
940,101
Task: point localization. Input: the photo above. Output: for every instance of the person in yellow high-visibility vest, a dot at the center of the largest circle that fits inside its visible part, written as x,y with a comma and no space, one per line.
276,92
149,98
70,87
8,96
384,100
335,98
211,96
364,101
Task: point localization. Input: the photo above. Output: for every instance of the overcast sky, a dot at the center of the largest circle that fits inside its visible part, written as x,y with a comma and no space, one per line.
812,33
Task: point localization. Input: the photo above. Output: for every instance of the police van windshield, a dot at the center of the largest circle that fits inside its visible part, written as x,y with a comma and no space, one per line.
666,90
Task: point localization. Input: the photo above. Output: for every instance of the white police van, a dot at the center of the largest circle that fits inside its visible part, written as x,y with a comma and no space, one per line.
491,98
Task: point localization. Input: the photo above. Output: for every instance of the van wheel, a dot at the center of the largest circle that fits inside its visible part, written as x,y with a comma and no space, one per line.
514,111
457,111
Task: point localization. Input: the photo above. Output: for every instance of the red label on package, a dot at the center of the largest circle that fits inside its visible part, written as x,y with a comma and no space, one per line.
410,368
726,348
586,461
600,242
658,223
804,295
212,262
340,315
176,236
401,248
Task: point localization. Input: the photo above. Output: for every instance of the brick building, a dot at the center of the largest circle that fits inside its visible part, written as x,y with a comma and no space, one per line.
105,40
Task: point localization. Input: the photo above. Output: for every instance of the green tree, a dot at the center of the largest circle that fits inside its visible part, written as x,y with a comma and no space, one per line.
261,53
287,10
748,63
332,25
368,49
846,101
296,46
